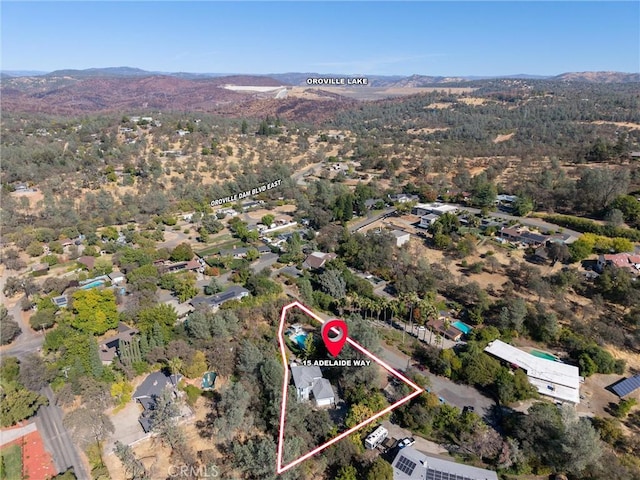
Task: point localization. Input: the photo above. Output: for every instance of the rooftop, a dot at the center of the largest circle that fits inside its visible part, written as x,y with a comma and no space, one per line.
411,464
323,390
554,379
154,384
304,377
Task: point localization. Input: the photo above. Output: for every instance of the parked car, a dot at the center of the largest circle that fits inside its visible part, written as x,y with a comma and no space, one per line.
406,442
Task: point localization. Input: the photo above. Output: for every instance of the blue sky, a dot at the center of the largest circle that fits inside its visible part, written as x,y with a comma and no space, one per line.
428,38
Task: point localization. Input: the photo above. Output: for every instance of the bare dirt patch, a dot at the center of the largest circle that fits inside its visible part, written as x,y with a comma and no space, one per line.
503,138
419,131
472,100
632,126
438,106
596,397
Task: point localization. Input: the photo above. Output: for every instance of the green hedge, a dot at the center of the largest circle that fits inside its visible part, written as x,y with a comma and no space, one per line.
585,225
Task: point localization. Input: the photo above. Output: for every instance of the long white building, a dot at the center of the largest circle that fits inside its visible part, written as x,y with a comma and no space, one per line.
553,379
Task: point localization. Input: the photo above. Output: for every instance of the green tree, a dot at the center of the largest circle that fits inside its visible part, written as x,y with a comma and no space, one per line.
9,328
348,472
182,253
213,287
95,311
267,219
34,249
17,403
163,315
380,470
522,206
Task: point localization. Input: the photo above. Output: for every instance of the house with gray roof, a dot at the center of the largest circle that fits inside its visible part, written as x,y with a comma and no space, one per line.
148,392
410,464
323,393
307,380
234,292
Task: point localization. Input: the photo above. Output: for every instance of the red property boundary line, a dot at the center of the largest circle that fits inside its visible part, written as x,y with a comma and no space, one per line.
283,468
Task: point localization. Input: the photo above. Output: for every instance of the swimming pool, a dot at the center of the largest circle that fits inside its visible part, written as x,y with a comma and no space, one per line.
299,339
463,327
545,355
97,283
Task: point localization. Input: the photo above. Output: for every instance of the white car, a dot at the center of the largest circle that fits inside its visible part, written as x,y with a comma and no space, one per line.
406,442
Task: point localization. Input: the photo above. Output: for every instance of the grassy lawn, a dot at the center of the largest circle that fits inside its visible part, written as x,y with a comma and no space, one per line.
226,243
11,462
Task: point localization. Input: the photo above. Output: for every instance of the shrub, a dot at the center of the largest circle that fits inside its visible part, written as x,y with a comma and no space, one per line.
193,393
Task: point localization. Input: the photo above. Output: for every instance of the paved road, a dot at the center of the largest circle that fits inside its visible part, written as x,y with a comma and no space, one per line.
28,341
299,176
529,221
57,439
369,220
12,434
264,261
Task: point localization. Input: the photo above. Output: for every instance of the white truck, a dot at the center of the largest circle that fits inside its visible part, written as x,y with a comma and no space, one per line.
375,438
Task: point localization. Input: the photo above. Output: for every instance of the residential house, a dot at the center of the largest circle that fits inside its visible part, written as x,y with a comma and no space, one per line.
410,464
40,268
149,390
87,261
629,261
566,238
309,380
444,326
555,379
435,208
116,278
427,220
235,292
61,301
506,200
523,236
373,203
323,393
403,198
317,260
401,237
110,347
171,267
240,252
532,238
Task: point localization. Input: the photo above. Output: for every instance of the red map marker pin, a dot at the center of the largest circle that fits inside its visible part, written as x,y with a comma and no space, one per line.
334,344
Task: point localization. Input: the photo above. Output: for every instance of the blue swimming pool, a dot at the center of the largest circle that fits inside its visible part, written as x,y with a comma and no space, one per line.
299,339
97,283
463,327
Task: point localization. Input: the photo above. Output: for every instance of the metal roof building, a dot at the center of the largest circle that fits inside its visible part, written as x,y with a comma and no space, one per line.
410,464
553,379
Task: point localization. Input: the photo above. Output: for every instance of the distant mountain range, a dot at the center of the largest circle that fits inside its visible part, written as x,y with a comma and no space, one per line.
72,92
299,78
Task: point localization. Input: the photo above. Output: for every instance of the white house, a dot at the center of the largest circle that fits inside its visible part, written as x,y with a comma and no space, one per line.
309,380
436,208
304,378
427,220
323,393
401,237
551,378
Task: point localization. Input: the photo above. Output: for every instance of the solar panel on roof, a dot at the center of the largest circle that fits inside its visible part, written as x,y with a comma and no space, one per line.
439,475
627,386
406,466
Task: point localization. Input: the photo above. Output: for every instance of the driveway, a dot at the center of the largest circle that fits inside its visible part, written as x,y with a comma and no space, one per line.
265,261
127,427
422,444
